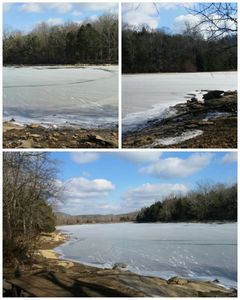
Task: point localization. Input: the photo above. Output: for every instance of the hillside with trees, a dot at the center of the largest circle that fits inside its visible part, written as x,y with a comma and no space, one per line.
207,203
28,184
66,219
93,42
146,51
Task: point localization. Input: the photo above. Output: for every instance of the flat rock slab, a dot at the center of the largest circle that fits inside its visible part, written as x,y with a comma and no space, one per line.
215,118
113,283
38,287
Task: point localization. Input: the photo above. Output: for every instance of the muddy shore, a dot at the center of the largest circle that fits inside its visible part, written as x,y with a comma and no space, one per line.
37,136
60,277
209,123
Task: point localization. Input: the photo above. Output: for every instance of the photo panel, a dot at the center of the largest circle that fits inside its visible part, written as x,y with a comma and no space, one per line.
82,217
60,75
179,84
78,222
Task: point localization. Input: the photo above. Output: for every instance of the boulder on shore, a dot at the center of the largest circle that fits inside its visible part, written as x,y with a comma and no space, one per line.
177,280
120,266
213,94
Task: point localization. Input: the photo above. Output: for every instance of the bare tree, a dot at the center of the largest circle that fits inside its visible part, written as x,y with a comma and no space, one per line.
28,187
217,20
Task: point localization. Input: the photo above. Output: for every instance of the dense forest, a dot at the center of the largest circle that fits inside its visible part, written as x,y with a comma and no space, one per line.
89,43
145,51
28,184
207,203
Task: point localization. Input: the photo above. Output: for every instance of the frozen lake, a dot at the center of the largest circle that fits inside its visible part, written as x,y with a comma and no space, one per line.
147,96
86,96
191,250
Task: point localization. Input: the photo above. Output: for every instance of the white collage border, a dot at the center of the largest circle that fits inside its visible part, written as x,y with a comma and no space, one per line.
119,109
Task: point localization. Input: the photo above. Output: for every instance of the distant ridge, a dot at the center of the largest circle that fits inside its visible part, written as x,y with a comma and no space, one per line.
67,219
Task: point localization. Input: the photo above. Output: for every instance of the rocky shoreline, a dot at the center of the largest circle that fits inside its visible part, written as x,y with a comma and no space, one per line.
60,277
208,123
38,136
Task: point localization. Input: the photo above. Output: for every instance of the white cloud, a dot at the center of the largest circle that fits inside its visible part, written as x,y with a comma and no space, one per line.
31,7
84,196
84,157
55,21
175,167
79,22
77,13
89,208
148,7
135,14
174,5
143,13
82,188
140,157
92,18
107,6
61,8
181,22
147,194
230,157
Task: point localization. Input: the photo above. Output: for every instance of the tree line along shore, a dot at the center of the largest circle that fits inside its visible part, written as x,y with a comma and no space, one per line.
143,50
93,42
208,203
150,51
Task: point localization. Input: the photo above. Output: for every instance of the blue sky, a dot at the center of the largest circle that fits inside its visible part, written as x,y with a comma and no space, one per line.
24,16
174,16
106,182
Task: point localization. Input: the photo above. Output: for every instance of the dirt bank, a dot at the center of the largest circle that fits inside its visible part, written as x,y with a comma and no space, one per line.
37,136
51,276
210,123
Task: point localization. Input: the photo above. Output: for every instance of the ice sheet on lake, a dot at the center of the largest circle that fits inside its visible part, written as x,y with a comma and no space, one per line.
147,96
86,96
191,250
